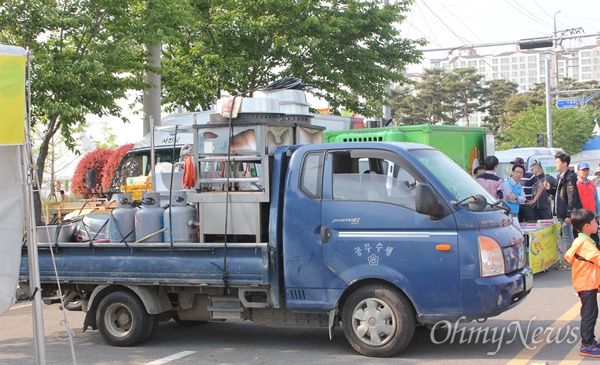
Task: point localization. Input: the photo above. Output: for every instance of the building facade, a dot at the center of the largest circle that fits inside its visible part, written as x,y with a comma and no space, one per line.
527,67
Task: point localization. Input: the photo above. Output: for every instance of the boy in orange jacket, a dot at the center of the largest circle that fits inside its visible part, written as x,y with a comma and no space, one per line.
585,272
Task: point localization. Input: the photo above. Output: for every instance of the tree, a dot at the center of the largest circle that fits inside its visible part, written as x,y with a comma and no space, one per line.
432,99
349,50
591,87
497,93
572,128
465,92
404,107
84,60
107,140
87,54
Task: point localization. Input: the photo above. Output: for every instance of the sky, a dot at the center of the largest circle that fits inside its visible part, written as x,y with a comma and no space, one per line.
454,23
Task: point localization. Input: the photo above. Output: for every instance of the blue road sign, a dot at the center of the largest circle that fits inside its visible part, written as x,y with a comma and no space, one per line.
566,103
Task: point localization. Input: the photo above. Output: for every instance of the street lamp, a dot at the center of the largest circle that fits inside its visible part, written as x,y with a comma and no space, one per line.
543,43
548,104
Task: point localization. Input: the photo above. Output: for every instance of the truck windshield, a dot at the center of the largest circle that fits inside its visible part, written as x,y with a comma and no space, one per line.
136,164
452,176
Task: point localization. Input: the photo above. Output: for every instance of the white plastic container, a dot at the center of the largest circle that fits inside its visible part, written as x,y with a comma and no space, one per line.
122,220
182,216
149,219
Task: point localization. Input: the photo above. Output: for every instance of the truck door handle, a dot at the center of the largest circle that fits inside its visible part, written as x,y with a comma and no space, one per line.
325,234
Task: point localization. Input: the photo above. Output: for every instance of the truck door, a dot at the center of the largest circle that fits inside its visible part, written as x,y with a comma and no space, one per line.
370,229
309,284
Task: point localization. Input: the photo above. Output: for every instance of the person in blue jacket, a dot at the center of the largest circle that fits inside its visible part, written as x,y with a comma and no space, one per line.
513,190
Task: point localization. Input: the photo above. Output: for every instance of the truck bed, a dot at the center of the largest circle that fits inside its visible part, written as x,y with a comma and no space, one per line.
155,264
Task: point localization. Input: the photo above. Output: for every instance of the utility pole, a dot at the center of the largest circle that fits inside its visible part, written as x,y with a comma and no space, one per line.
152,98
548,104
557,42
387,112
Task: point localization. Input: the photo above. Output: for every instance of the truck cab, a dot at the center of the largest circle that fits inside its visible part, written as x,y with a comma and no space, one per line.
407,220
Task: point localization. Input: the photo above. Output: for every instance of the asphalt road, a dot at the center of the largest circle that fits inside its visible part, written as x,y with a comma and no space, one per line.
551,311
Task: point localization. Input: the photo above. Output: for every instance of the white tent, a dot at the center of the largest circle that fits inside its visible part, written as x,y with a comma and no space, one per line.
12,137
590,152
16,198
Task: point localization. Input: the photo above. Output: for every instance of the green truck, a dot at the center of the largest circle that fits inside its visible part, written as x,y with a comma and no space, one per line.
467,146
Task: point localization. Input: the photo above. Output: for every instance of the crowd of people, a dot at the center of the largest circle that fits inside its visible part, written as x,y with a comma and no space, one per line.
573,198
534,195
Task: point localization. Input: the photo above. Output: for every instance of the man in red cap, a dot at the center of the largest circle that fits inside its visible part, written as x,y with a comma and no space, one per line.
528,181
588,194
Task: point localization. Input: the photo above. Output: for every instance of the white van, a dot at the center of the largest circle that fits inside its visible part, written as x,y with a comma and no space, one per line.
542,155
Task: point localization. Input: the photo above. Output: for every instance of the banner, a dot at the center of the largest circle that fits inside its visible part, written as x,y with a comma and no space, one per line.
543,252
12,186
12,95
11,223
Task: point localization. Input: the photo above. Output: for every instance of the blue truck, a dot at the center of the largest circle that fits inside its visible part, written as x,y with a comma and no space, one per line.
375,237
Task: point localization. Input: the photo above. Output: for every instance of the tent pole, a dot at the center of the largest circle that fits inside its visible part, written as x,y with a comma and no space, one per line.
32,250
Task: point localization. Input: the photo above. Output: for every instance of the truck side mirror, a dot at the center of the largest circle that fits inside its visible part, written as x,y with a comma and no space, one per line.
426,201
90,179
478,204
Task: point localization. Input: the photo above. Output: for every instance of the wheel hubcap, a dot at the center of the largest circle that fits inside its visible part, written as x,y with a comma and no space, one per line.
123,319
373,322
119,320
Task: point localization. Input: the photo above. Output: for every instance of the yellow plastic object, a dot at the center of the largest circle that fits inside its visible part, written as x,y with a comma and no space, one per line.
138,185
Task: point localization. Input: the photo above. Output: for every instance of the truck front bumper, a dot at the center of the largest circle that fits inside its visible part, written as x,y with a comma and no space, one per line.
493,295
487,297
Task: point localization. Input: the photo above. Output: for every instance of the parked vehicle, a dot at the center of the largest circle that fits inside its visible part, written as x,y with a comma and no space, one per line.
133,174
467,146
278,228
542,155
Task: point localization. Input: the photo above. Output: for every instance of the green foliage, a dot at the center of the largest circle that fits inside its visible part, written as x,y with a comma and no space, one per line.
571,128
349,50
107,140
465,92
86,55
441,97
84,59
497,93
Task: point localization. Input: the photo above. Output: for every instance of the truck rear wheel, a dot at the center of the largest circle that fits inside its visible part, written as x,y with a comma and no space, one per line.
378,321
123,321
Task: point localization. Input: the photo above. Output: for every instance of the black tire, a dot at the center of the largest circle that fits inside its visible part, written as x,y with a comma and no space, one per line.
378,321
154,321
123,321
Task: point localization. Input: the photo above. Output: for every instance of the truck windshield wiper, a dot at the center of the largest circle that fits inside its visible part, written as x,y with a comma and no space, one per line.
498,204
475,202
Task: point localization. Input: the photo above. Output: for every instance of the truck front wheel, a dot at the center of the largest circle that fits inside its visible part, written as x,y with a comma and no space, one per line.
123,321
378,321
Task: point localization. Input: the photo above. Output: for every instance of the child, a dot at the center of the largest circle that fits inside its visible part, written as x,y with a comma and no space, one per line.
585,258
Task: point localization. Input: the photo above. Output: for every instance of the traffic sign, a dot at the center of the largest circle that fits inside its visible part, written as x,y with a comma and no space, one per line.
566,103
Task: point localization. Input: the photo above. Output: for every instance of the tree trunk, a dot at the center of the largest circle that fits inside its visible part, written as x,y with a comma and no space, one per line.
39,169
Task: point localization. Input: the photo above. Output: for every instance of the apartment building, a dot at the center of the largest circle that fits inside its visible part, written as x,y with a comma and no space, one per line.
527,67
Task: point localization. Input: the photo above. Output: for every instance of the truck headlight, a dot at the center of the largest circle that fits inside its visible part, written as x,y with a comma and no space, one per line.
490,257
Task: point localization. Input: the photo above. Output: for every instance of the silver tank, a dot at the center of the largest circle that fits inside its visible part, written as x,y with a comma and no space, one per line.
149,219
183,217
121,224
